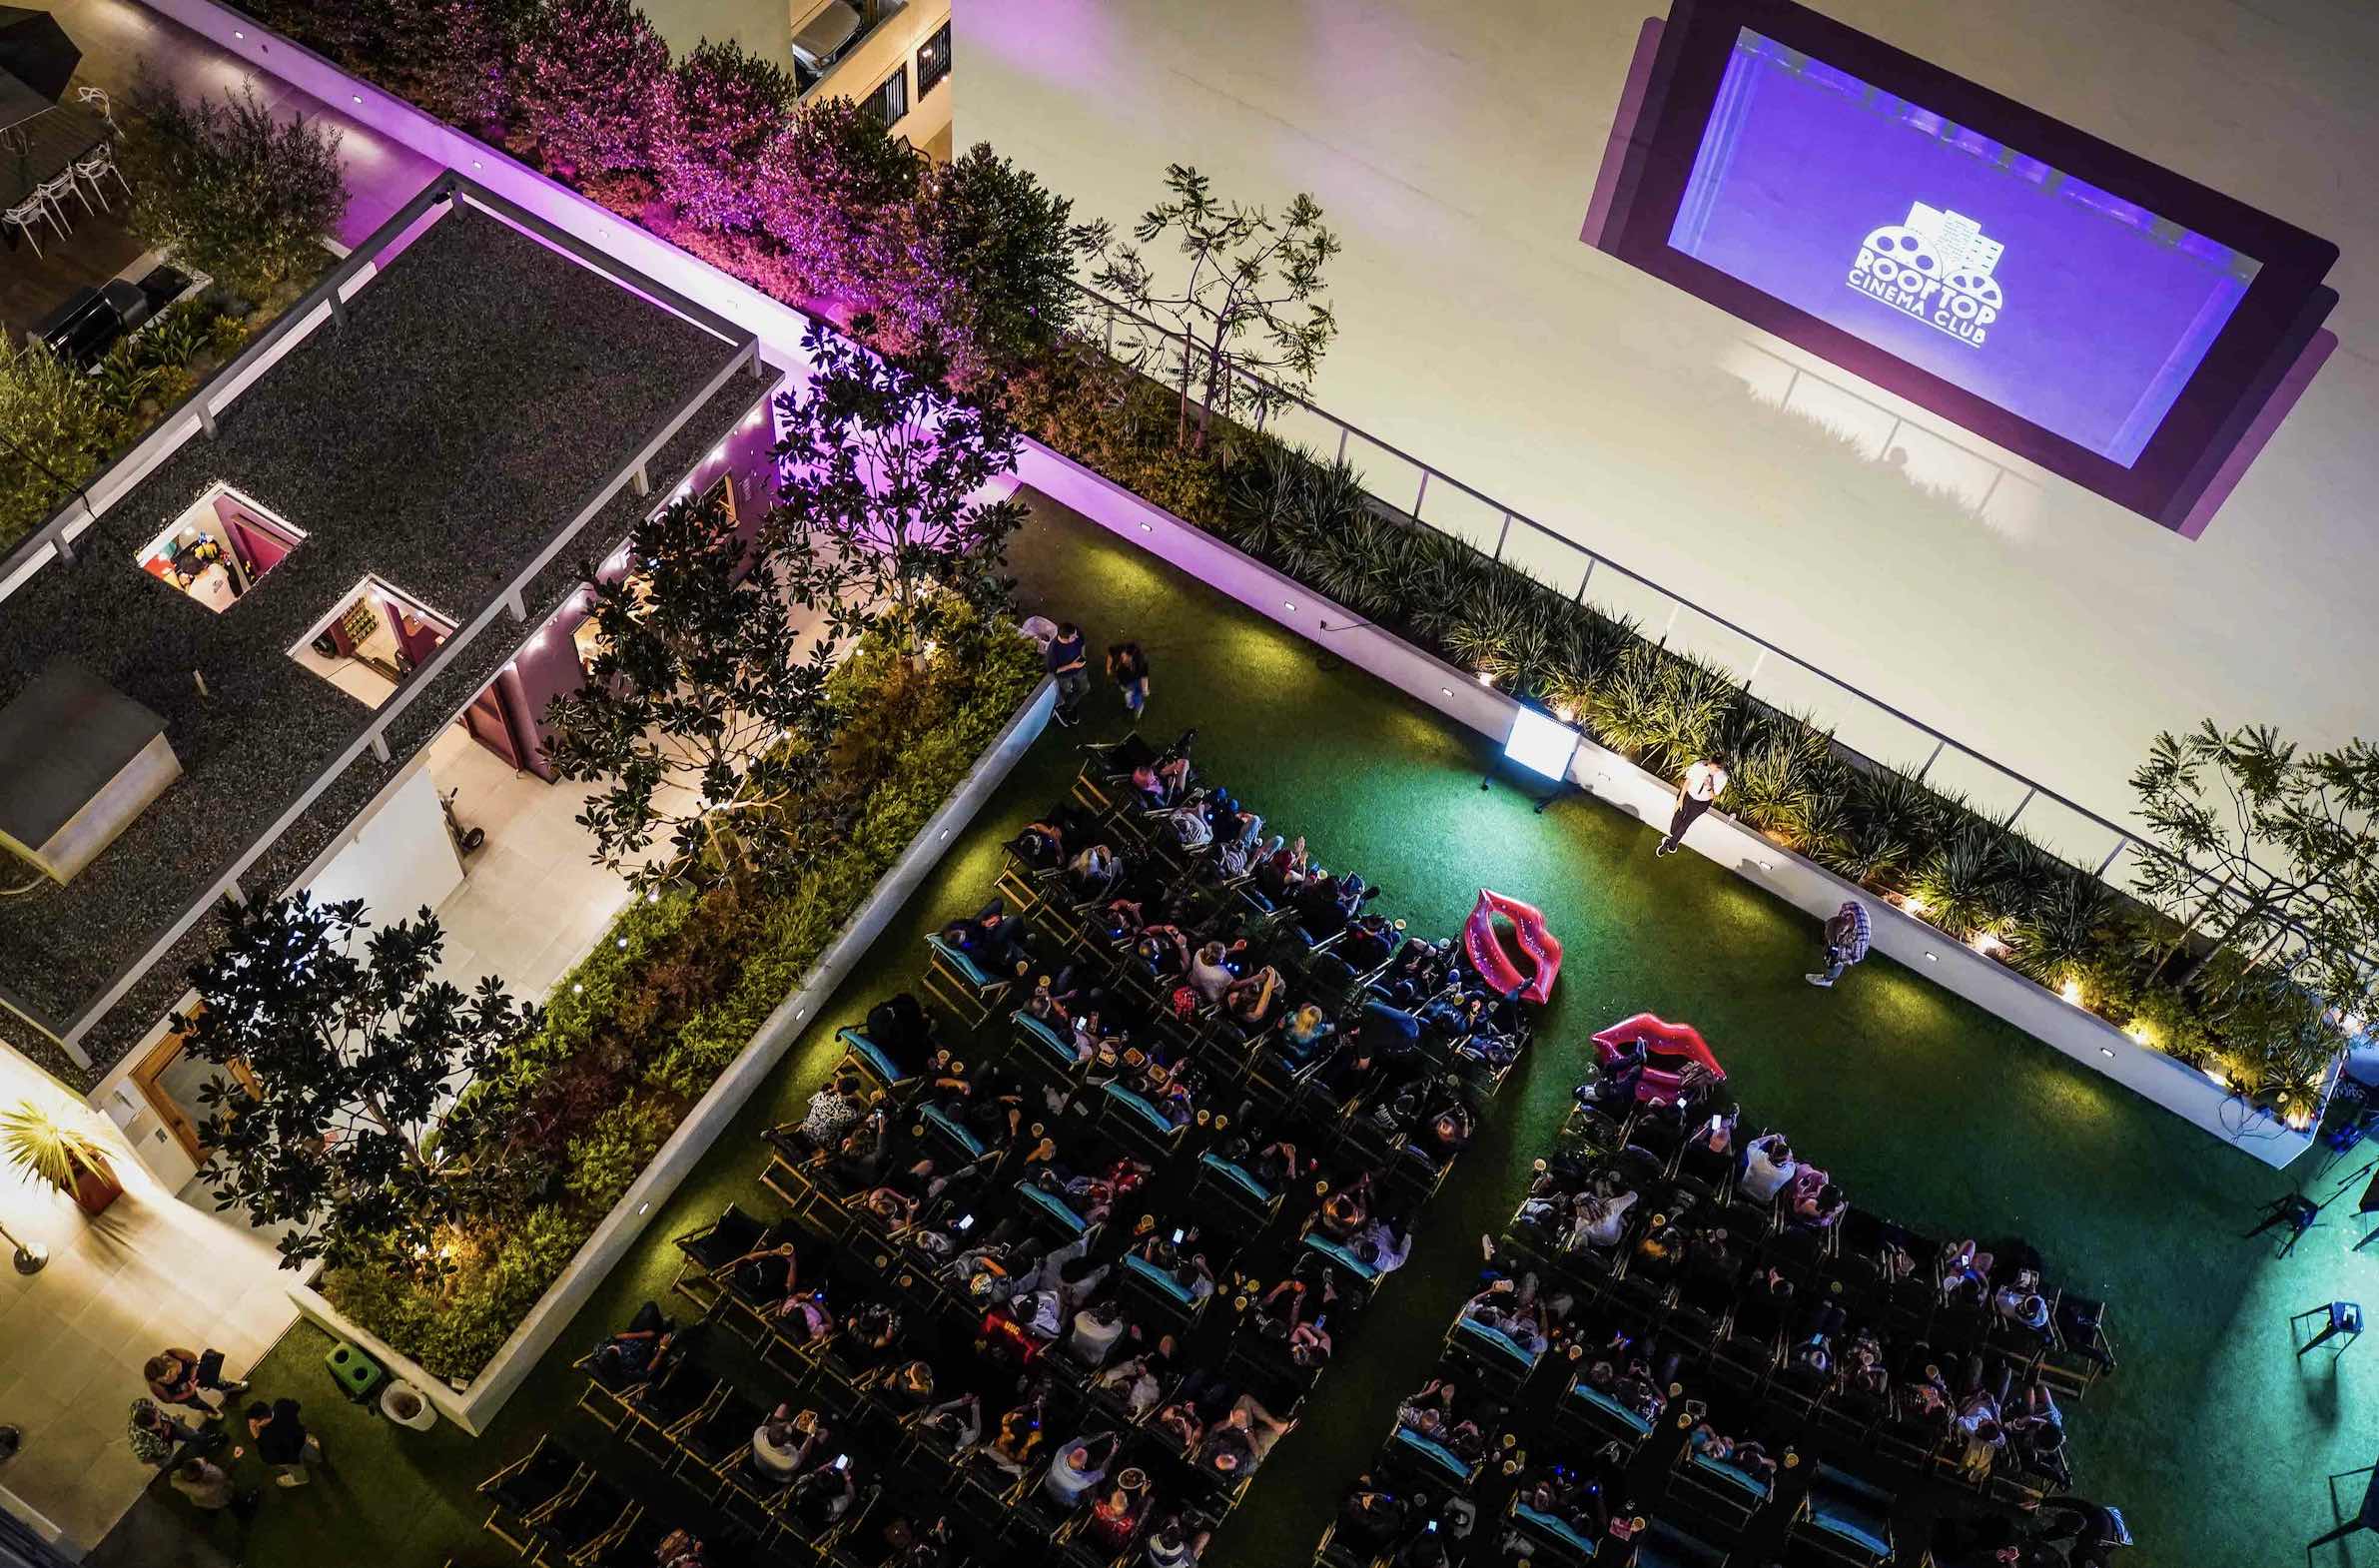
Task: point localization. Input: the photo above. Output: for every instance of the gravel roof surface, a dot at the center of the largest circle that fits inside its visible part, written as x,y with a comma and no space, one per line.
484,388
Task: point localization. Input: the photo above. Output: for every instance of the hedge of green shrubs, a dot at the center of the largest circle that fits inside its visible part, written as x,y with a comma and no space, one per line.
668,998
1976,877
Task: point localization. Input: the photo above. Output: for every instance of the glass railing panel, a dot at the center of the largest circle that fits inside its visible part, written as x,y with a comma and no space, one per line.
1449,509
1548,557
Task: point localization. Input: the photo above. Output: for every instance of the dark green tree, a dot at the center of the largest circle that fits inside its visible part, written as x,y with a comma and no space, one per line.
881,512
2272,858
1247,317
232,191
340,1125
704,715
988,275
590,85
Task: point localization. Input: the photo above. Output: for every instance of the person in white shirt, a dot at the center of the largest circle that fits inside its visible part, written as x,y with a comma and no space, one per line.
1768,1165
1704,782
1602,1221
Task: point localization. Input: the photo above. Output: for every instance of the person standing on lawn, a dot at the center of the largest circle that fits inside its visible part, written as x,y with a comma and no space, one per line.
281,1441
1128,667
1704,782
1847,937
1069,660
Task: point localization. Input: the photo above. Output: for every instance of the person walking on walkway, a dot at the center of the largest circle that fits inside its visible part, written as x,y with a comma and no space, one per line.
1069,660
1704,782
281,1441
1128,667
1847,936
179,1376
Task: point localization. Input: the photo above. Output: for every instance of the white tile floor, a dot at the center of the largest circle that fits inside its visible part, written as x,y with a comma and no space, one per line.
150,1273
531,904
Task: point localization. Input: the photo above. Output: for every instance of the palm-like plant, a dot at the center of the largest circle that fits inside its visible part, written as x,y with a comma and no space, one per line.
1626,702
2059,932
1696,708
1954,884
47,1150
1782,771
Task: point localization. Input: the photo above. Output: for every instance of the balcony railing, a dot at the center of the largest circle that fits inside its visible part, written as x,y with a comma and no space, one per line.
1860,723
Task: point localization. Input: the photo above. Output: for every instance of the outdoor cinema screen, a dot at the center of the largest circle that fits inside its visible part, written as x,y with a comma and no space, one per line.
2108,319
2081,311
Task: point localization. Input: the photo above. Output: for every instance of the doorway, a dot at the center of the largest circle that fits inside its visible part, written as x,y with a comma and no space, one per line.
173,1080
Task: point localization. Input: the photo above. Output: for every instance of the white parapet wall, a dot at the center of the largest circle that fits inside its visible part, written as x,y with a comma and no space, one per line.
1609,777
474,1406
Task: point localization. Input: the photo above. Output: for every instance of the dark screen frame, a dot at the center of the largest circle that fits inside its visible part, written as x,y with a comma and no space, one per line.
2272,325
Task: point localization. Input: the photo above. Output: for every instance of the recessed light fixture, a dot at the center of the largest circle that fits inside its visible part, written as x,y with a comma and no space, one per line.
1144,529
236,33
475,164
1933,958
357,97
1284,605
2107,1051
1448,690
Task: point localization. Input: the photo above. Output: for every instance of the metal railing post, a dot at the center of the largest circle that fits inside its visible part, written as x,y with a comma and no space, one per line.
1342,433
1592,560
1421,496
2020,804
1939,741
1504,537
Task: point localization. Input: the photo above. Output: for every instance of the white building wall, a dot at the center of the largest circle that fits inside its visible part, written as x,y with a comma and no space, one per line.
401,861
1454,147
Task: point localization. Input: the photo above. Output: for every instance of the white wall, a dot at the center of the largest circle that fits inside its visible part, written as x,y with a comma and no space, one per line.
1455,145
399,860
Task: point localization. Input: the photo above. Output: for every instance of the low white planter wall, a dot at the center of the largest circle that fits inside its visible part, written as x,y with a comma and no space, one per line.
2078,1033
474,1408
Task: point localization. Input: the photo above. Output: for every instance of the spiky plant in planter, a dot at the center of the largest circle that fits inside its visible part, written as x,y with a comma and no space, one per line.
1958,884
2054,938
1784,767
65,1158
1696,708
1362,566
1503,630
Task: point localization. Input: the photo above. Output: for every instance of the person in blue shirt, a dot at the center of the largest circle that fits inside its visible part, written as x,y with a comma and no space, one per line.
1069,661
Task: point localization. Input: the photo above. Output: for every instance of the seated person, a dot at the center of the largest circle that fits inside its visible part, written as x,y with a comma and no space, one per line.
2018,1302
1768,1165
833,1110
824,1495
1446,1131
1503,1310
679,1549
1416,973
994,939
869,1331
1819,1206
1384,1243
639,1352
1302,1033
1965,1272
1094,873
1749,1457
1257,1001
1079,1468
1095,1331
1133,1381
901,1025
1177,1543
1371,1517
957,1422
1041,845
1162,783
1309,1343
1019,1443
1209,972
1237,1445
787,1443
766,1274
1369,941
1615,1092
1164,950
804,1317
1601,1220
1347,1210
1114,1518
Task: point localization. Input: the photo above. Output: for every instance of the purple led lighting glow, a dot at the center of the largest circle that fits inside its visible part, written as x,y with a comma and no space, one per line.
2061,302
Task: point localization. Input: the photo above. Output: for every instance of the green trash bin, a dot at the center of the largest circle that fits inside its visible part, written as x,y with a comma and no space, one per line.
354,1371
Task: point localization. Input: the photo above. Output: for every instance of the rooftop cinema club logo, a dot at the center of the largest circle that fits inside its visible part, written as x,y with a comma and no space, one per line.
1936,266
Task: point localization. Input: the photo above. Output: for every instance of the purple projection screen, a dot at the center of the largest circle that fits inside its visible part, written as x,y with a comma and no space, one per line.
2110,320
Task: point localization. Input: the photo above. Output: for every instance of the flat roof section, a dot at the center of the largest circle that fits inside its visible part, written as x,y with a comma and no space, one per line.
484,388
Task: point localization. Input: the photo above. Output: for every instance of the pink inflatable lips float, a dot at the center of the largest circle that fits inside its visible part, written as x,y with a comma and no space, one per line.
1668,1049
1537,945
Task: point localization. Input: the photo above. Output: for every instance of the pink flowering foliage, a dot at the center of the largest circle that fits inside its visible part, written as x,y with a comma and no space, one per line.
591,87
709,133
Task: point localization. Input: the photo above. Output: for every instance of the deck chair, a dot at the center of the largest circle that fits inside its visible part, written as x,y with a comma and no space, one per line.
1845,1519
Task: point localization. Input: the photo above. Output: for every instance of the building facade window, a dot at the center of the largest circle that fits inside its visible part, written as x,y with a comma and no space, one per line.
933,60
891,101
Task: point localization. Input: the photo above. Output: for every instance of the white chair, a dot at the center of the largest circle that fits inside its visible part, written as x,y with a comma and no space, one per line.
55,192
97,99
29,212
96,167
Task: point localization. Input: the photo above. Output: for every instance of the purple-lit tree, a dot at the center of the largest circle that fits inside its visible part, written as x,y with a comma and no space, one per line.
709,133
836,188
592,80
1248,316
881,519
986,276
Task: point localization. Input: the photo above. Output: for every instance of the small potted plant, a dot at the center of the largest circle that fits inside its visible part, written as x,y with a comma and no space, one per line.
68,1158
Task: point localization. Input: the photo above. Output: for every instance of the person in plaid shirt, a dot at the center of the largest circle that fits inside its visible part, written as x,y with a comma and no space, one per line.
1847,936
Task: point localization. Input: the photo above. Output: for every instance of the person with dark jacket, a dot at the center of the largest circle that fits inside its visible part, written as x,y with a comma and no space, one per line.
283,1441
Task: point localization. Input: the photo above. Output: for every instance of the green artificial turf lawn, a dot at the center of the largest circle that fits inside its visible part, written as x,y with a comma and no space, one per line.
2213,1437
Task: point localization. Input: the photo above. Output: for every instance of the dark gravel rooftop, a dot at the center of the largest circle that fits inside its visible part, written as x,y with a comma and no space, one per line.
484,388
